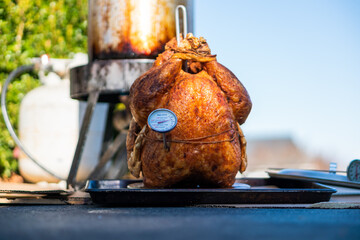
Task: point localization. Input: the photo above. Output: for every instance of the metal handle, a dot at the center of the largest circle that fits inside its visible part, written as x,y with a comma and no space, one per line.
177,22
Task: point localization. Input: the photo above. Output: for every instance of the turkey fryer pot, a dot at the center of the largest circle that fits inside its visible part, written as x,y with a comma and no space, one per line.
124,38
131,28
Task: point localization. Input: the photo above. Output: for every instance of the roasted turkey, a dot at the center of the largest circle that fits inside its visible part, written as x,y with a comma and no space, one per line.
207,146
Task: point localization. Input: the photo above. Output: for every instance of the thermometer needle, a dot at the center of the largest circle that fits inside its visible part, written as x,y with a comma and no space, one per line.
163,121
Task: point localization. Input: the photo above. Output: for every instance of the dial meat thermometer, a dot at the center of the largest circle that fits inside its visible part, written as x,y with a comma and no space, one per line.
353,171
162,121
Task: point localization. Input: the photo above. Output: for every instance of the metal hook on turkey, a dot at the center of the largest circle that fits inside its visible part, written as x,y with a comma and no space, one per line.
177,22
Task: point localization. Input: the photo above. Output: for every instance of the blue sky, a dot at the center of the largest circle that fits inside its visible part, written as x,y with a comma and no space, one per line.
300,62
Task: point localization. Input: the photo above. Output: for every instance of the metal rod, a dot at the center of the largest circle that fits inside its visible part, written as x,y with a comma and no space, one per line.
308,170
165,143
91,103
177,22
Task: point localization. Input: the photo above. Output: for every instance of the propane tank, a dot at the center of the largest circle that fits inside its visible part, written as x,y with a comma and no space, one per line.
49,124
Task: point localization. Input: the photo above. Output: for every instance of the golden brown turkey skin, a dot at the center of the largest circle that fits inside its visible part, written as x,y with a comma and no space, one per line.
235,92
148,90
208,103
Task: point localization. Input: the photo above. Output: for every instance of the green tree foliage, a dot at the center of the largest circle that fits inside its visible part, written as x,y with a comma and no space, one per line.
28,29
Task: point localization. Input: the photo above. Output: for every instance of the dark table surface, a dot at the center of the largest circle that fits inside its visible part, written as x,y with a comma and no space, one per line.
95,222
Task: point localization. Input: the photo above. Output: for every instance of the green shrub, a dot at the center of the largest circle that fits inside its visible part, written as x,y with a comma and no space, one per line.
30,28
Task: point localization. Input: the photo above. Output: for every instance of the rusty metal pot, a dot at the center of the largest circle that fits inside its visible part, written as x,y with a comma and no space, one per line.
120,29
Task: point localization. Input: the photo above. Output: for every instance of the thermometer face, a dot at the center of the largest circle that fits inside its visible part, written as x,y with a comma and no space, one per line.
353,171
162,120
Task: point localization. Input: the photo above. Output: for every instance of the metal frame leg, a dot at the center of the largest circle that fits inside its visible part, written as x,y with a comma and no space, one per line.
91,103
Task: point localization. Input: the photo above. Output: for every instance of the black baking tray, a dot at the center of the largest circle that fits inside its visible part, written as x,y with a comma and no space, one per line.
262,191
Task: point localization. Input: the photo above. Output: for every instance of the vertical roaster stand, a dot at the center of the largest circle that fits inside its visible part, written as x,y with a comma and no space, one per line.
109,80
